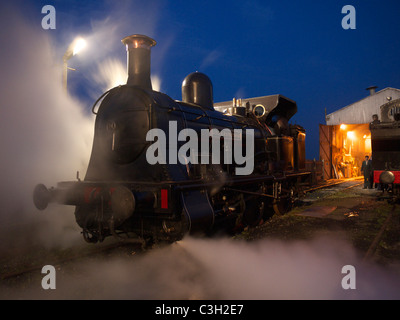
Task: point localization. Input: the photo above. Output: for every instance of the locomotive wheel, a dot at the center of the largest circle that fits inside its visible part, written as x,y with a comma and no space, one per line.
175,230
285,203
89,237
282,206
253,214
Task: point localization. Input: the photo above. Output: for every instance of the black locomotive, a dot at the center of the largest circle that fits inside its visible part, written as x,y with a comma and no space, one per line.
125,195
385,142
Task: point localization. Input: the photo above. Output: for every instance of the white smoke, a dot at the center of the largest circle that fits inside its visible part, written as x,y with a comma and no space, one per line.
107,54
214,269
45,135
211,58
272,269
112,73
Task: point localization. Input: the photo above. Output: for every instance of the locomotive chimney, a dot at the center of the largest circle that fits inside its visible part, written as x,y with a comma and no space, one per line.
138,49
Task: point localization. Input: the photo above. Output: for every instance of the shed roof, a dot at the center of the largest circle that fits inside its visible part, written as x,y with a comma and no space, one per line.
361,111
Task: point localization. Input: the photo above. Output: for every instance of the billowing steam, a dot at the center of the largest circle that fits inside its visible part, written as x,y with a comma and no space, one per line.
106,55
112,72
223,269
271,269
45,136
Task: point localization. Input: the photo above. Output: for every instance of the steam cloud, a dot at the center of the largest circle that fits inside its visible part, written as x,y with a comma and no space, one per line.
109,67
45,136
112,73
224,269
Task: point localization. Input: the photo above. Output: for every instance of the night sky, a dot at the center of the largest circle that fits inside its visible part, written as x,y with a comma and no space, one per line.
248,48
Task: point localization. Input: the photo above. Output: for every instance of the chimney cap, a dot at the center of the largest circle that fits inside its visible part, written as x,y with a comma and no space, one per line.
138,41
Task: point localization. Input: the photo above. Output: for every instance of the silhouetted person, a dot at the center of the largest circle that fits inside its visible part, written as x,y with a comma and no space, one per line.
366,169
375,120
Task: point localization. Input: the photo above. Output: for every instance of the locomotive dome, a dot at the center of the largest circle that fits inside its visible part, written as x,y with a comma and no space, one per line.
197,88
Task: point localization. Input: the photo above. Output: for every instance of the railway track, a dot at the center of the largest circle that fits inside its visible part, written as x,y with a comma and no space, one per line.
132,247
374,245
331,183
369,255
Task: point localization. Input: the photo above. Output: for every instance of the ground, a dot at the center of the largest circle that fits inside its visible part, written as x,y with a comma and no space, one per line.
355,214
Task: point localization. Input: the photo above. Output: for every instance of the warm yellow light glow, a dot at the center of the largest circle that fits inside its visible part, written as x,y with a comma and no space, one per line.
80,43
351,135
342,127
365,136
367,145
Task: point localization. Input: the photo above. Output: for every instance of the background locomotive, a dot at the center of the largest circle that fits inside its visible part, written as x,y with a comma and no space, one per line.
123,195
385,141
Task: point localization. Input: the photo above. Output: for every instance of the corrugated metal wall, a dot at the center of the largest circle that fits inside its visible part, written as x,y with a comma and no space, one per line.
362,110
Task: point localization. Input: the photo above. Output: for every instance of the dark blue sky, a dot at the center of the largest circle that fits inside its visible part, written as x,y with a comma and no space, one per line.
248,48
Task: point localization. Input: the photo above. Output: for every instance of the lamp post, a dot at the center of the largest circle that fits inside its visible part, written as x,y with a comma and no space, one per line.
74,48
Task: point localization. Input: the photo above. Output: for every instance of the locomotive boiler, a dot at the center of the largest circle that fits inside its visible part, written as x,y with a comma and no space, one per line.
148,177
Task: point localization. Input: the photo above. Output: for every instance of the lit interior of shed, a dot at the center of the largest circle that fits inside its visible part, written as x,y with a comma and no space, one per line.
350,144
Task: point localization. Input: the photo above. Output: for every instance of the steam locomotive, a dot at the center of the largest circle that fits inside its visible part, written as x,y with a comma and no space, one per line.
130,193
385,143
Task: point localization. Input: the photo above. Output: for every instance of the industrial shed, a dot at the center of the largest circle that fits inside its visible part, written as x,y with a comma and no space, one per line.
345,139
